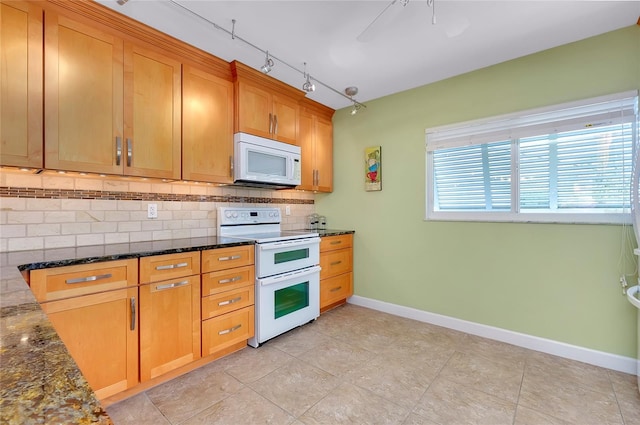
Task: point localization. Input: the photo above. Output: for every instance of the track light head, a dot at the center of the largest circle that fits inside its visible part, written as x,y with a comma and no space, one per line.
308,86
356,108
268,65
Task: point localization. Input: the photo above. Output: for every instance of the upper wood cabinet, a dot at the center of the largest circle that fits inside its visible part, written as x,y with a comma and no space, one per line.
315,137
21,42
207,126
110,106
264,106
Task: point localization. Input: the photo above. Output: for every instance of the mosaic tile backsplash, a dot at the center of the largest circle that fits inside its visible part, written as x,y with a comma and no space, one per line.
52,210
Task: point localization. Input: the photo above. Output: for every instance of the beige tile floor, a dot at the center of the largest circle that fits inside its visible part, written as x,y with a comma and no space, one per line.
359,366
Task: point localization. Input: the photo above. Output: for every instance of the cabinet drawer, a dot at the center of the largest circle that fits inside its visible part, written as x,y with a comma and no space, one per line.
225,280
71,281
170,266
337,262
331,243
335,289
226,258
226,330
224,302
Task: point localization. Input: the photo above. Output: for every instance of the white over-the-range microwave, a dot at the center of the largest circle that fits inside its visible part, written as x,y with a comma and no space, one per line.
261,162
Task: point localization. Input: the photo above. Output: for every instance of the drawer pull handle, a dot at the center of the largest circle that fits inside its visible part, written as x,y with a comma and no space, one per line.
88,278
336,289
335,243
335,263
133,313
230,280
232,257
228,331
172,285
172,266
232,301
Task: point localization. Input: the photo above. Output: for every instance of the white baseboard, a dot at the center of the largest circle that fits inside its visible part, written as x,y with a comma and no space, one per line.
561,349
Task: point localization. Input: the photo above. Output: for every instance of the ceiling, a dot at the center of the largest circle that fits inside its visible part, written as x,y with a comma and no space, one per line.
402,49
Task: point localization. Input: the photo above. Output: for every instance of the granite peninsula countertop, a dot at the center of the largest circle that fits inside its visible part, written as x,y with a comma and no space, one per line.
39,381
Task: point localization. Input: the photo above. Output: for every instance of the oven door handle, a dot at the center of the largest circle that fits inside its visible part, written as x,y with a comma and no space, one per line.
272,280
286,244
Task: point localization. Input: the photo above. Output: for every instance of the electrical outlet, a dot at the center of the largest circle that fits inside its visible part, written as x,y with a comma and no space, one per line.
287,210
152,210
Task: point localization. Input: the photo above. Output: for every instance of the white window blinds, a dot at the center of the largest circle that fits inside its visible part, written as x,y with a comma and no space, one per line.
572,158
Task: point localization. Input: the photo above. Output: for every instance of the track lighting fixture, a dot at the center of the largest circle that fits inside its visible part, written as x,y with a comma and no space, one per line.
268,64
308,86
356,108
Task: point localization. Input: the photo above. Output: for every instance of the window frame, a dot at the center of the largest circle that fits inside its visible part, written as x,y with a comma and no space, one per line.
461,134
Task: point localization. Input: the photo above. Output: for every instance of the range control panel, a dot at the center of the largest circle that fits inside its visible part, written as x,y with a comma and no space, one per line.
233,216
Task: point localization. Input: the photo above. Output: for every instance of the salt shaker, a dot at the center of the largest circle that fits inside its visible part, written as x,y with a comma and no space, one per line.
322,223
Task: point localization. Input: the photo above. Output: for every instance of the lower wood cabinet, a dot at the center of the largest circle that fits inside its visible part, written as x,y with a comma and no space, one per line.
100,329
228,291
336,276
169,313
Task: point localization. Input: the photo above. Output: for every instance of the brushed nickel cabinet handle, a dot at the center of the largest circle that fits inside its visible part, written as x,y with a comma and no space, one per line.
335,243
275,125
172,266
270,123
226,331
230,280
118,150
230,166
232,257
172,285
88,278
129,152
335,289
133,313
231,301
335,263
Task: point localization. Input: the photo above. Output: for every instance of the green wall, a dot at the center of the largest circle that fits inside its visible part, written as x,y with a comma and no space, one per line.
549,280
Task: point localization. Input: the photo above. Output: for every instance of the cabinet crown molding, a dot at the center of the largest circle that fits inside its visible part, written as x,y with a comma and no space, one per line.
244,72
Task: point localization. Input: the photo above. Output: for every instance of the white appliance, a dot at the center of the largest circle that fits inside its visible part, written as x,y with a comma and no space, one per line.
287,290
261,162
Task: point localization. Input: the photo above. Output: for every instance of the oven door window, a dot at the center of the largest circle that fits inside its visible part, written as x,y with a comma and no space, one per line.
290,299
294,255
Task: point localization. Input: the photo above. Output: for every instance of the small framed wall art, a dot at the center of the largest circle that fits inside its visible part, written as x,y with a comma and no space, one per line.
373,168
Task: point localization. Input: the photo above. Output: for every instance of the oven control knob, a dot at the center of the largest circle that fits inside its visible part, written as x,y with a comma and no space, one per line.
235,215
228,214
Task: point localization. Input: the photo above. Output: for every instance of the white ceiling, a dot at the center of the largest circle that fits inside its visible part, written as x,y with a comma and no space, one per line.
402,50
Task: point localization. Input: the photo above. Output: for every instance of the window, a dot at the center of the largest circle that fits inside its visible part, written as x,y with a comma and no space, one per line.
566,163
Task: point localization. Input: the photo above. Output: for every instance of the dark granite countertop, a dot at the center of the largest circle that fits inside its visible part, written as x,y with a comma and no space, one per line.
333,232
39,381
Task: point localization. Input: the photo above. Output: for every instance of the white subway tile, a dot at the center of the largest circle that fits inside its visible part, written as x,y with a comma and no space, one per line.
115,185
20,244
75,228
129,226
171,224
36,204
181,215
17,217
57,182
59,241
131,205
138,215
116,216
3,217
23,180
199,233
142,187
88,183
199,189
180,188
140,236
170,205
116,238
13,231
89,216
190,224
151,225
162,235
4,245
50,229
59,216
161,187
104,204
75,204
104,227
180,234
13,204
90,239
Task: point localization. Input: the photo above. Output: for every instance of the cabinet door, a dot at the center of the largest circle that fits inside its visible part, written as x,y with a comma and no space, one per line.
83,97
169,325
285,112
152,114
21,85
207,127
305,141
100,331
254,110
324,155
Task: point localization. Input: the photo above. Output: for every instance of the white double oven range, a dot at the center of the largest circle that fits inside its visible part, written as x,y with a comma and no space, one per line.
287,269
